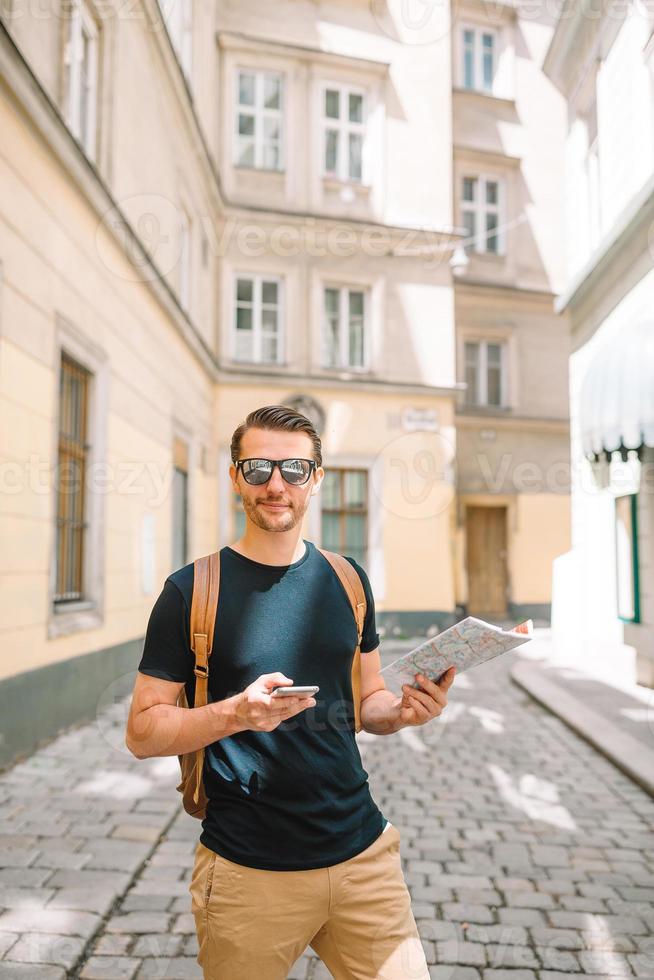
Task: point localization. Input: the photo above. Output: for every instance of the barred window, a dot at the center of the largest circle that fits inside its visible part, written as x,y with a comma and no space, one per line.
73,450
180,503
344,494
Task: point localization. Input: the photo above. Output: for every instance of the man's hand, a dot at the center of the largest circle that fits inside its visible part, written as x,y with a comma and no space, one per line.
259,711
418,706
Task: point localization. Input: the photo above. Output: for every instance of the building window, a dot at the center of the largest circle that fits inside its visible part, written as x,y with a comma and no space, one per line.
485,373
73,450
478,58
344,495
482,211
345,328
626,557
185,261
238,515
257,322
180,503
81,76
259,120
178,15
343,132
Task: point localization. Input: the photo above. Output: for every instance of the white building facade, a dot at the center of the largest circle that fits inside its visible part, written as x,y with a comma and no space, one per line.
603,615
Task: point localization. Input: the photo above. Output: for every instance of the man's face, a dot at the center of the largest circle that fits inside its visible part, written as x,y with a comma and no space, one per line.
276,505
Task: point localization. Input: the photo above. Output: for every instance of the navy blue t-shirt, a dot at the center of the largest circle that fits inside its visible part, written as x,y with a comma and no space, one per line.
296,797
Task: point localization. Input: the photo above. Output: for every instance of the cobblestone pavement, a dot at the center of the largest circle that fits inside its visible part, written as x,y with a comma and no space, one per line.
528,855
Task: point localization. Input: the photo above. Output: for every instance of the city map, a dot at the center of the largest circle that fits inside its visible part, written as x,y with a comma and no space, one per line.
464,645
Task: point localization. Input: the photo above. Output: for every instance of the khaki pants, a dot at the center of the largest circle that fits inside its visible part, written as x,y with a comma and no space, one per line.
253,924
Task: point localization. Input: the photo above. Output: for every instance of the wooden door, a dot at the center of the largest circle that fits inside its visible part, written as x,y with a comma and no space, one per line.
486,560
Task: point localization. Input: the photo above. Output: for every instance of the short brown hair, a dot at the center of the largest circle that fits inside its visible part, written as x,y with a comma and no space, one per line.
276,417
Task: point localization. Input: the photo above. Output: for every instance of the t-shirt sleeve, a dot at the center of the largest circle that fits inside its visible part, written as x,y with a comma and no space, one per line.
166,650
370,636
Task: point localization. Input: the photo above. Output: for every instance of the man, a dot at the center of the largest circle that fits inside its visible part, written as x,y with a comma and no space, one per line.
293,849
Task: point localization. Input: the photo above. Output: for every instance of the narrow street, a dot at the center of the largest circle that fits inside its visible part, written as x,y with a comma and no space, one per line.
528,855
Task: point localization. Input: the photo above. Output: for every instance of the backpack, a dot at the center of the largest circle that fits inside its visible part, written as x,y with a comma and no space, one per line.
204,605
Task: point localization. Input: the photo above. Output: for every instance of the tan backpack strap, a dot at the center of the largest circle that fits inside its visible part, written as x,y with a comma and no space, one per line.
353,586
204,605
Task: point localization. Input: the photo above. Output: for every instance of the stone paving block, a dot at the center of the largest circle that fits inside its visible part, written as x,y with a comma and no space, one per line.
111,968
581,903
530,900
184,923
642,964
461,952
190,945
62,921
134,832
454,973
7,940
557,938
434,929
615,924
461,881
98,900
151,903
604,961
161,887
592,890
499,933
118,880
556,886
423,910
555,975
557,959
493,974
458,912
478,896
14,857
139,922
511,957
61,859
430,893
112,944
30,971
25,898
33,947
510,884
24,877
157,944
177,968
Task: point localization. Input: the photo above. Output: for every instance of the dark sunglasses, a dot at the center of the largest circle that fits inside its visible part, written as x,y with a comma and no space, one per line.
258,471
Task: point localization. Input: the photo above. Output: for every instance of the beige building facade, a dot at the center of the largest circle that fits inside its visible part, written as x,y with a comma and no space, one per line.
203,211
513,479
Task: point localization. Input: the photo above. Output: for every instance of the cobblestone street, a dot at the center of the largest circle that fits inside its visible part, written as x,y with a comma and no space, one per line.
528,854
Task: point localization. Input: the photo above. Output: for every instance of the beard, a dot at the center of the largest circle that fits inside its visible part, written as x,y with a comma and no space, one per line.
269,521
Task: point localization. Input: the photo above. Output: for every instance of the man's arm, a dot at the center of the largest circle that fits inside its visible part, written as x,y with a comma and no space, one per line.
157,726
383,713
380,708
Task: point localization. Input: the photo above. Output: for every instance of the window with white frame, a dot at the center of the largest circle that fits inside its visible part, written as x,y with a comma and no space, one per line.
485,373
478,58
178,15
185,260
345,327
258,319
259,96
344,121
483,213
81,75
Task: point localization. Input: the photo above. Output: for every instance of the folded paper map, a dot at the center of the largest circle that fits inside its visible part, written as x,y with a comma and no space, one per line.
464,645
